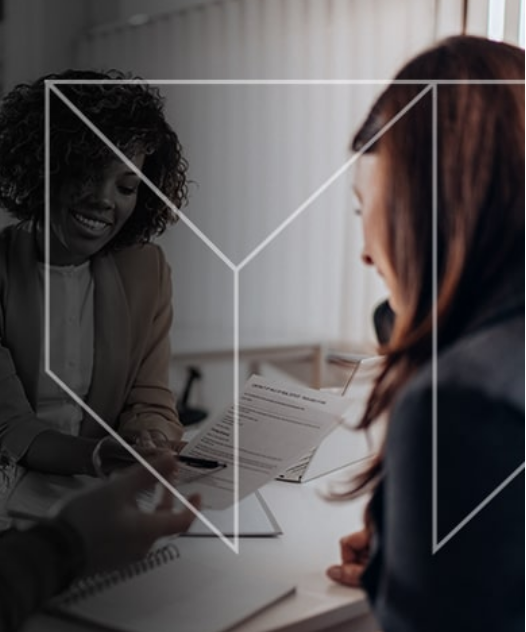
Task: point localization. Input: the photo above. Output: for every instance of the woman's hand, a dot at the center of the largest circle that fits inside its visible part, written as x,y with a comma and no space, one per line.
110,455
354,550
113,529
151,439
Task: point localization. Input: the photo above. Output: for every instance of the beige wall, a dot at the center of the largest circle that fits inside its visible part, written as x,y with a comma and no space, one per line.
41,37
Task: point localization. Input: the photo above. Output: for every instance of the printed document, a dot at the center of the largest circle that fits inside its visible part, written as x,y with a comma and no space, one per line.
277,424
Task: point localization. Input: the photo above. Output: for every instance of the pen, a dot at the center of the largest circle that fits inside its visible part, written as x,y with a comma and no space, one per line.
197,462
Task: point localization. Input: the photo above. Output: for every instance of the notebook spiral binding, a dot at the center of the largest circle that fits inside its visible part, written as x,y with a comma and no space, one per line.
91,585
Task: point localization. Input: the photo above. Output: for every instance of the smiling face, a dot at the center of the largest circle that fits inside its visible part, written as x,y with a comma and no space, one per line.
369,190
86,218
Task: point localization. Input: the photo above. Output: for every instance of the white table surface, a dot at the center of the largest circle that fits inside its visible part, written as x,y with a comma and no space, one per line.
311,528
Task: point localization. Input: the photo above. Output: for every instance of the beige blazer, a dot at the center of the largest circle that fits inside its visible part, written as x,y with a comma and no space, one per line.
133,313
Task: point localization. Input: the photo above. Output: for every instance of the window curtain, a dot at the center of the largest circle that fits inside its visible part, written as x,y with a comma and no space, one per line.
258,153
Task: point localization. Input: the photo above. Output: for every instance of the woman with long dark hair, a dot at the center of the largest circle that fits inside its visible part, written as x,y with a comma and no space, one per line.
443,546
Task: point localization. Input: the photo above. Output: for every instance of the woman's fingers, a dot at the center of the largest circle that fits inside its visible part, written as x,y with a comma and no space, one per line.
161,524
355,547
114,529
347,574
167,498
354,550
145,439
140,478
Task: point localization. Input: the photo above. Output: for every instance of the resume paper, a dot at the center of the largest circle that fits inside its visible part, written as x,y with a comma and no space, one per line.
277,424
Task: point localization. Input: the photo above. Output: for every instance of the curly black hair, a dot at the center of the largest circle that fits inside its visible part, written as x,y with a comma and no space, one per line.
130,114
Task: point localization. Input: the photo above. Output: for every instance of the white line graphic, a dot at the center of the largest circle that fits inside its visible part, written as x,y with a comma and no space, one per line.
176,211
428,86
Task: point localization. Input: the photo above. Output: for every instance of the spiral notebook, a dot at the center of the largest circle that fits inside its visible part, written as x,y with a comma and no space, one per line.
165,592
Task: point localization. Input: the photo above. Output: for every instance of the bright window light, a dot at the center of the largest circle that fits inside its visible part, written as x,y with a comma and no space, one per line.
496,11
521,25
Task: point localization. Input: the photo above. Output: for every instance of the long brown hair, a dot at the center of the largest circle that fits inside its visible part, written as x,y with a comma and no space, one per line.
479,199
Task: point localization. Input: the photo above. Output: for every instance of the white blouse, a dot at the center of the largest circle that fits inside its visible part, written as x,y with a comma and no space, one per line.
71,345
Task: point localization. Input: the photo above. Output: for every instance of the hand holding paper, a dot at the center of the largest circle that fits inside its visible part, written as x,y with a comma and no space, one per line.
277,424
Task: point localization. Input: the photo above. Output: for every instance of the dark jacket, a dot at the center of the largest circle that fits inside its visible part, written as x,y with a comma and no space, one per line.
133,314
474,580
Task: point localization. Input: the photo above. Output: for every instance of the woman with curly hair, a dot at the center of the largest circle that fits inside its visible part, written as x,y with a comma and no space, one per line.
441,197
110,289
